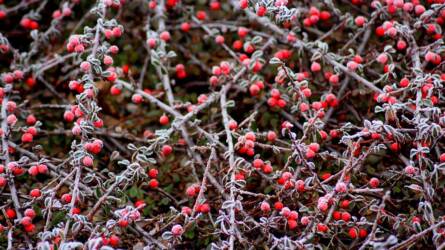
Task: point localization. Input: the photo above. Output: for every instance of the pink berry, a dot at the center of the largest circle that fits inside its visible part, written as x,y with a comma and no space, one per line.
315,67
265,207
117,32
137,98
352,65
114,49
271,136
11,119
419,9
151,42
87,161
177,230
374,182
85,66
360,21
30,213
233,125
165,36
219,39
410,170
108,60
341,187
382,58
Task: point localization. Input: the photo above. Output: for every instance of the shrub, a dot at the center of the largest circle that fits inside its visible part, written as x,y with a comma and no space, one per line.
231,124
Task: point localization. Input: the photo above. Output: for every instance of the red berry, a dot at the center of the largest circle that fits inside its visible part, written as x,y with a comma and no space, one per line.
267,169
98,123
345,216
258,163
136,98
254,90
75,210
35,193
27,137
362,233
31,120
401,45
237,45
360,21
310,154
300,186
250,136
265,207
325,15
186,211
374,182
153,183
43,169
166,150
164,120
261,11
153,173
344,204
382,58
292,224
32,131
322,227
123,223
33,170
30,213
442,157
26,221
243,4
334,79
336,215
165,36
66,198
278,206
394,147
215,5
293,215
352,233
114,241
271,136
117,32
314,147
30,228
3,181
204,208
233,125
68,116
242,32
201,15
10,213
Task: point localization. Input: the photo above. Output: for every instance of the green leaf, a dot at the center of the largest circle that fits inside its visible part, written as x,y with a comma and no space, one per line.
190,234
164,201
134,192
